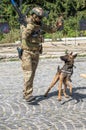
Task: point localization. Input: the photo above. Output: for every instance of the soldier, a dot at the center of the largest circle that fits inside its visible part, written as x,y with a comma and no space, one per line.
32,47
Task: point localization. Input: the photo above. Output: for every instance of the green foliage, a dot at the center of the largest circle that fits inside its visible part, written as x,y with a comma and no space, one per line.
1,36
11,37
72,11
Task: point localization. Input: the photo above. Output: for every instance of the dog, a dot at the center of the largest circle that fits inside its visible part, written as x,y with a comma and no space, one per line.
63,75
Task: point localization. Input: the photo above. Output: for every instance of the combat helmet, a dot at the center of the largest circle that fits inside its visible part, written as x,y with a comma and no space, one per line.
38,11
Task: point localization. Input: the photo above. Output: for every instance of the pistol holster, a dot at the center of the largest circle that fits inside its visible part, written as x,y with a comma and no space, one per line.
20,51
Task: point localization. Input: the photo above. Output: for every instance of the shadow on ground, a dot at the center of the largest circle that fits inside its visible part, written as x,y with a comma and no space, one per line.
78,96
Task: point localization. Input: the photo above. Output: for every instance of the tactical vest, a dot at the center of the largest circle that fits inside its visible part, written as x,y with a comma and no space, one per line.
31,35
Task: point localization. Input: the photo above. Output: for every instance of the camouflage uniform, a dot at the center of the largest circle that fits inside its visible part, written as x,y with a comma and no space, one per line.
31,45
31,39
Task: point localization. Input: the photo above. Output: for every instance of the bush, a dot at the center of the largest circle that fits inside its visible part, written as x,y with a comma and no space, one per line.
11,37
1,36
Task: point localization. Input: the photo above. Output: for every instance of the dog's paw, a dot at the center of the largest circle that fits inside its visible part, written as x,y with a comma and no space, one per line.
45,95
59,99
70,94
66,96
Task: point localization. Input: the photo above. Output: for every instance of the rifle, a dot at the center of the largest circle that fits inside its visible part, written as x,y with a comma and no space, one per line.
22,20
22,17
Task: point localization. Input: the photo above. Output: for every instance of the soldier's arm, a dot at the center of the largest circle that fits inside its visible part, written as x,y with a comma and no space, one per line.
52,29
27,31
49,28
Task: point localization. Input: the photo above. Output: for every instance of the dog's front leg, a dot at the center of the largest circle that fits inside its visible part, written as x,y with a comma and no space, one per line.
55,79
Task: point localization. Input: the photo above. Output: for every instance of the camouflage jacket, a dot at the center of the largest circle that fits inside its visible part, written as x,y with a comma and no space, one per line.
31,35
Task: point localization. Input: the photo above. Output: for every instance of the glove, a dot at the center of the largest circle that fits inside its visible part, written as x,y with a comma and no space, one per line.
59,23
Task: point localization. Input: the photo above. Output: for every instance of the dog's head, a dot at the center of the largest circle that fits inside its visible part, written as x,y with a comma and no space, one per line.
68,58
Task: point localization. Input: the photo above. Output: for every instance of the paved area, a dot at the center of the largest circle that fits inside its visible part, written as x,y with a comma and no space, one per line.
44,113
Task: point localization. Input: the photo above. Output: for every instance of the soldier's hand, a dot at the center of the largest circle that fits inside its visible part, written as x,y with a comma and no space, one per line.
59,23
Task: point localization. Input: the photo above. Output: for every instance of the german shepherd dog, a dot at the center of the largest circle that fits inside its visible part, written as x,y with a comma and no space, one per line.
63,75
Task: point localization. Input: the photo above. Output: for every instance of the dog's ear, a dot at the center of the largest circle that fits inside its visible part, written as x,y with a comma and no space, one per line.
71,53
75,55
64,58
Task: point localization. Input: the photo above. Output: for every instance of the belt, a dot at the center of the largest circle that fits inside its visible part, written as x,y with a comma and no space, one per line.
30,46
31,49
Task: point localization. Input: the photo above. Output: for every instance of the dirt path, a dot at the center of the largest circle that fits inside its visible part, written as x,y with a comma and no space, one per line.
50,49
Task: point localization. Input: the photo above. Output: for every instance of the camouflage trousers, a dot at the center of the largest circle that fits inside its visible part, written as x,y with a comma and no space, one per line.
30,61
